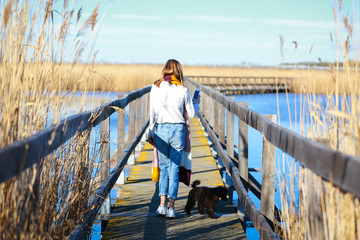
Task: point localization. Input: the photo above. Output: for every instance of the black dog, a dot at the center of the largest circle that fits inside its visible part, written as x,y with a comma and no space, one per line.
206,197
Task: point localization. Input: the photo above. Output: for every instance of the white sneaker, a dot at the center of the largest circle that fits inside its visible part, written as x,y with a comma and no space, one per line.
161,210
170,213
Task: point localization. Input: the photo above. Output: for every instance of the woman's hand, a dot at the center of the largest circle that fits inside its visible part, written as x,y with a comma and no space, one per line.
151,140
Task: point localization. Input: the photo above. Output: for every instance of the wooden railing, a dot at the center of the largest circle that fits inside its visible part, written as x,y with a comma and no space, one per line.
339,168
19,156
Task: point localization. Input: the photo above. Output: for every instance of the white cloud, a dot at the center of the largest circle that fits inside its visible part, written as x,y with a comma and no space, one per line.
300,23
139,17
205,18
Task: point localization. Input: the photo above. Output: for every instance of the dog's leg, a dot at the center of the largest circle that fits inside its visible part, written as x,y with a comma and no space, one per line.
211,212
201,209
190,204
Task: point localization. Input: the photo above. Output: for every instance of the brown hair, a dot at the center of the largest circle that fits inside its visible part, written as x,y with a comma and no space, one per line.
172,67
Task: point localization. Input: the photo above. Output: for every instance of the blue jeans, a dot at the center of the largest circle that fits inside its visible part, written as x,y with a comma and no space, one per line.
170,142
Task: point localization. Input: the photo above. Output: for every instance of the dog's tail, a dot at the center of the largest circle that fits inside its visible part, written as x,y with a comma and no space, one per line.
195,183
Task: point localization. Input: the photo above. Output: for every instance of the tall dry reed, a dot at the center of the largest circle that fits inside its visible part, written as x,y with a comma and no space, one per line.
48,199
313,208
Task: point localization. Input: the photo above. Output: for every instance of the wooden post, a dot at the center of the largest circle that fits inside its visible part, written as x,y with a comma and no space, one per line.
143,120
230,131
138,115
121,141
138,120
202,101
230,145
268,177
205,106
243,148
216,117
212,113
243,167
147,109
131,126
222,124
105,162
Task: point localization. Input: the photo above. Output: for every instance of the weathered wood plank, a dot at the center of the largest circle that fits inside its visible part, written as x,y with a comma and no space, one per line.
342,169
20,155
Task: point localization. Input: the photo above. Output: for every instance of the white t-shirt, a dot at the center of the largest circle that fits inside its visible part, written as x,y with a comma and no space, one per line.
167,104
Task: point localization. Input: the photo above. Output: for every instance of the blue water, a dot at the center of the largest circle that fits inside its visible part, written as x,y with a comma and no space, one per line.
261,103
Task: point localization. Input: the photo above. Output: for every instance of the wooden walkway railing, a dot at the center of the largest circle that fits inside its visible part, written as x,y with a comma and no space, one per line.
17,157
341,169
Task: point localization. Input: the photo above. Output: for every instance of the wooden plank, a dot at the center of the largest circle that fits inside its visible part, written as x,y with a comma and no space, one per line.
252,211
28,151
268,177
84,225
342,169
243,147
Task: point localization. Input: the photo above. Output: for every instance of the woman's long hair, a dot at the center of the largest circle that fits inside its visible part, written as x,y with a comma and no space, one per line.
172,67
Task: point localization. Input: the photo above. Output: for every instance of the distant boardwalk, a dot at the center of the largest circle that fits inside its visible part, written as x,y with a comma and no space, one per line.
244,85
134,215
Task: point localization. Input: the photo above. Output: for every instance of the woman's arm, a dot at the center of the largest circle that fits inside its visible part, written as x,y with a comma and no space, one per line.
152,115
191,108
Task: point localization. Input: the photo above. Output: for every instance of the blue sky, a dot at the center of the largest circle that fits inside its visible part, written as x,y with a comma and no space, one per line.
208,32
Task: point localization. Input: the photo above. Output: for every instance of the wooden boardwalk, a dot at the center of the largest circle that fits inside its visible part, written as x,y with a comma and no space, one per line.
134,214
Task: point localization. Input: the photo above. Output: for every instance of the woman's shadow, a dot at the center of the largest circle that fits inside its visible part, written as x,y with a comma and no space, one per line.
155,226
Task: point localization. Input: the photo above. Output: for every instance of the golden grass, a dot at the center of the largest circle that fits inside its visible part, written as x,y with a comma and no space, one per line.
128,77
48,199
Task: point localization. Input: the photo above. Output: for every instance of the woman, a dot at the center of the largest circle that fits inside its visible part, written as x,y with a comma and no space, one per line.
168,101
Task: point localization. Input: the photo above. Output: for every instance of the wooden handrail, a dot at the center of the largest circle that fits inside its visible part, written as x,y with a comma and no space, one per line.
20,155
339,168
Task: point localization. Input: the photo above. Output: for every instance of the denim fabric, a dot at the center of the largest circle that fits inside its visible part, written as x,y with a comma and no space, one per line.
170,142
